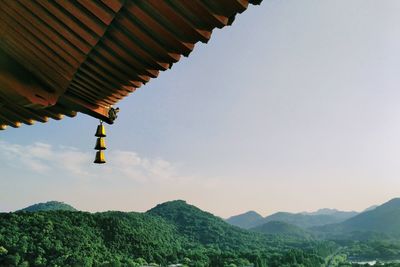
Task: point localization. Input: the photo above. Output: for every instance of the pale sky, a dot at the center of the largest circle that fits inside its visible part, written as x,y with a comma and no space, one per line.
294,107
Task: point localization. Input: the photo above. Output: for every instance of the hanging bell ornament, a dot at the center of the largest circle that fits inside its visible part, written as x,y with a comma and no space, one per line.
101,130
100,157
100,144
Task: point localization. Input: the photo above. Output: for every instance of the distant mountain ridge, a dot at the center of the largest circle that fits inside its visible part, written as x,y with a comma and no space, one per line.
371,208
334,212
282,228
47,206
304,220
382,219
307,221
246,220
324,211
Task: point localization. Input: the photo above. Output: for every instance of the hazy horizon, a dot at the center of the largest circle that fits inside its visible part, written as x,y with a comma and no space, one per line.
250,210
292,108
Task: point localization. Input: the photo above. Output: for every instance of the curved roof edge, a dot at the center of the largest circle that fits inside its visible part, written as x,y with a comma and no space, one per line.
62,57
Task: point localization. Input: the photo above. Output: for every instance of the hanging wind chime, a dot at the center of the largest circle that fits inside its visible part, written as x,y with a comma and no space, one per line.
101,133
100,144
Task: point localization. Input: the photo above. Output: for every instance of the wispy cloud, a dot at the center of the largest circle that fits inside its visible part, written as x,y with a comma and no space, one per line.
130,165
44,158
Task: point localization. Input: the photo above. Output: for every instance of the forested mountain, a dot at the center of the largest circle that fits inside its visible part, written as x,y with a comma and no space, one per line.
340,215
203,227
50,205
271,250
176,232
283,229
65,238
304,220
246,220
324,211
371,208
384,219
173,232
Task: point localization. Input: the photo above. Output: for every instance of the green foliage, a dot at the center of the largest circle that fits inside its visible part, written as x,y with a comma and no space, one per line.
3,251
303,220
379,223
50,205
306,220
383,219
282,228
204,228
82,239
373,249
246,220
171,233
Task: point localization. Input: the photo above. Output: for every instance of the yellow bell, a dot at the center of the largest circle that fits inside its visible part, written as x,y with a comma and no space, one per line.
100,144
100,157
101,131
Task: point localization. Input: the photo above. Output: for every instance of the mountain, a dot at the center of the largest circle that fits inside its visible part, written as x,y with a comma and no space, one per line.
213,232
333,212
74,238
304,220
205,228
246,220
282,228
47,206
370,208
170,233
384,219
324,211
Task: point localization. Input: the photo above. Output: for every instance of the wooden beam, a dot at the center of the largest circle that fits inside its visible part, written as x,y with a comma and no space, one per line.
21,86
97,111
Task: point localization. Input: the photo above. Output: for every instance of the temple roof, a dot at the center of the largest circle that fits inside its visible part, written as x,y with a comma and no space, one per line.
62,57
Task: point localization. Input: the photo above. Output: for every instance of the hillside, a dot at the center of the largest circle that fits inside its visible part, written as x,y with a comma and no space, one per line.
303,220
47,206
384,219
44,238
170,233
205,228
371,208
324,211
246,220
282,228
340,215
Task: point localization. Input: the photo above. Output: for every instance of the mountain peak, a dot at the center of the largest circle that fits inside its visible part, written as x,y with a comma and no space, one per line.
252,213
173,202
49,205
327,211
210,229
246,220
173,206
